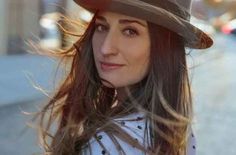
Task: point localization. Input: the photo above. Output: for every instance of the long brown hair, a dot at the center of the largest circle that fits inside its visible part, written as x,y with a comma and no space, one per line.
82,105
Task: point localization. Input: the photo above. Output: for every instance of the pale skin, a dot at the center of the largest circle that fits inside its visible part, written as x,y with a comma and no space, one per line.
123,41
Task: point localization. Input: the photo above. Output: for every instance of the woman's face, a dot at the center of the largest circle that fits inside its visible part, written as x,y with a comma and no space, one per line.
121,48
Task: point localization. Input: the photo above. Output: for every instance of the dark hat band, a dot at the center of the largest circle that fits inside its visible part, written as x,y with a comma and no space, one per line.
171,7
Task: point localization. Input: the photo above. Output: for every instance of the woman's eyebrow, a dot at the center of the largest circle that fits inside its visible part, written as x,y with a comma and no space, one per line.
122,21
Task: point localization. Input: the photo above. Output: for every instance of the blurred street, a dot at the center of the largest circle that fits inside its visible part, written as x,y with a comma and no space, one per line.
214,89
16,138
213,83
20,76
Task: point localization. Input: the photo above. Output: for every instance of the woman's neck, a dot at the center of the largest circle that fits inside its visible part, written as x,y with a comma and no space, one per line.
122,94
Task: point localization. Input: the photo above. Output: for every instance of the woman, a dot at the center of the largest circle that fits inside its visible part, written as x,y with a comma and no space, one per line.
128,90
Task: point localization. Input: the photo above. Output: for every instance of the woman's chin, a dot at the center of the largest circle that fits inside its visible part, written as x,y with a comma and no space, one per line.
112,84
109,84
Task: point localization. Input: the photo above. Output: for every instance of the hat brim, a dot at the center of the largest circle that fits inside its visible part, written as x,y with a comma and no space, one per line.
193,36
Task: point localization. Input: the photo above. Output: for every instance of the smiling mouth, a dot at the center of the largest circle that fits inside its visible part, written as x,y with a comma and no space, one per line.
110,66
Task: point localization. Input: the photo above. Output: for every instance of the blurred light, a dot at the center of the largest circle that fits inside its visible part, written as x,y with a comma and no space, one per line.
50,43
218,1
226,29
52,37
85,15
49,20
229,27
47,23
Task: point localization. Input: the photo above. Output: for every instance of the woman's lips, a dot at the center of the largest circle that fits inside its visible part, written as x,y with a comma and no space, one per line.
105,66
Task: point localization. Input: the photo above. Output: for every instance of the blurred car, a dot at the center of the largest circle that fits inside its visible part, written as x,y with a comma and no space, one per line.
229,28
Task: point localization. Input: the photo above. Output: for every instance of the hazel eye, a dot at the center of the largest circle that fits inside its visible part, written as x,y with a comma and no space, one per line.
131,32
100,28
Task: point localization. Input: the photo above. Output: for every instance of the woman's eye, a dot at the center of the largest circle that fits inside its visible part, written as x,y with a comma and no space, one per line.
130,32
100,27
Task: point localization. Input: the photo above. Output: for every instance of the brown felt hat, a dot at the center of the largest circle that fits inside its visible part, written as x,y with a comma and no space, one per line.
172,14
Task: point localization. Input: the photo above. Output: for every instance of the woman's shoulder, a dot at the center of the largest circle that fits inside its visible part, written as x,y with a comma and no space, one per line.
134,124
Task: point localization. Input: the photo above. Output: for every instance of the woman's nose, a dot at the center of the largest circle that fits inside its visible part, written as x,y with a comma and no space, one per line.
109,45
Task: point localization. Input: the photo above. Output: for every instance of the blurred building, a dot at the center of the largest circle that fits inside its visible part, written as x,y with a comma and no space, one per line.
227,10
19,22
3,35
217,12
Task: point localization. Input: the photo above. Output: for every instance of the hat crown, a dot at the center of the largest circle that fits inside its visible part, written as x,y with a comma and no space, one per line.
184,4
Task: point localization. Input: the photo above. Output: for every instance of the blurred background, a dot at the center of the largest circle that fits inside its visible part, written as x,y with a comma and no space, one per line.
212,71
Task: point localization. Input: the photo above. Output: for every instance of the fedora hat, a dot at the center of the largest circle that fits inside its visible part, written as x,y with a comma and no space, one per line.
172,14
